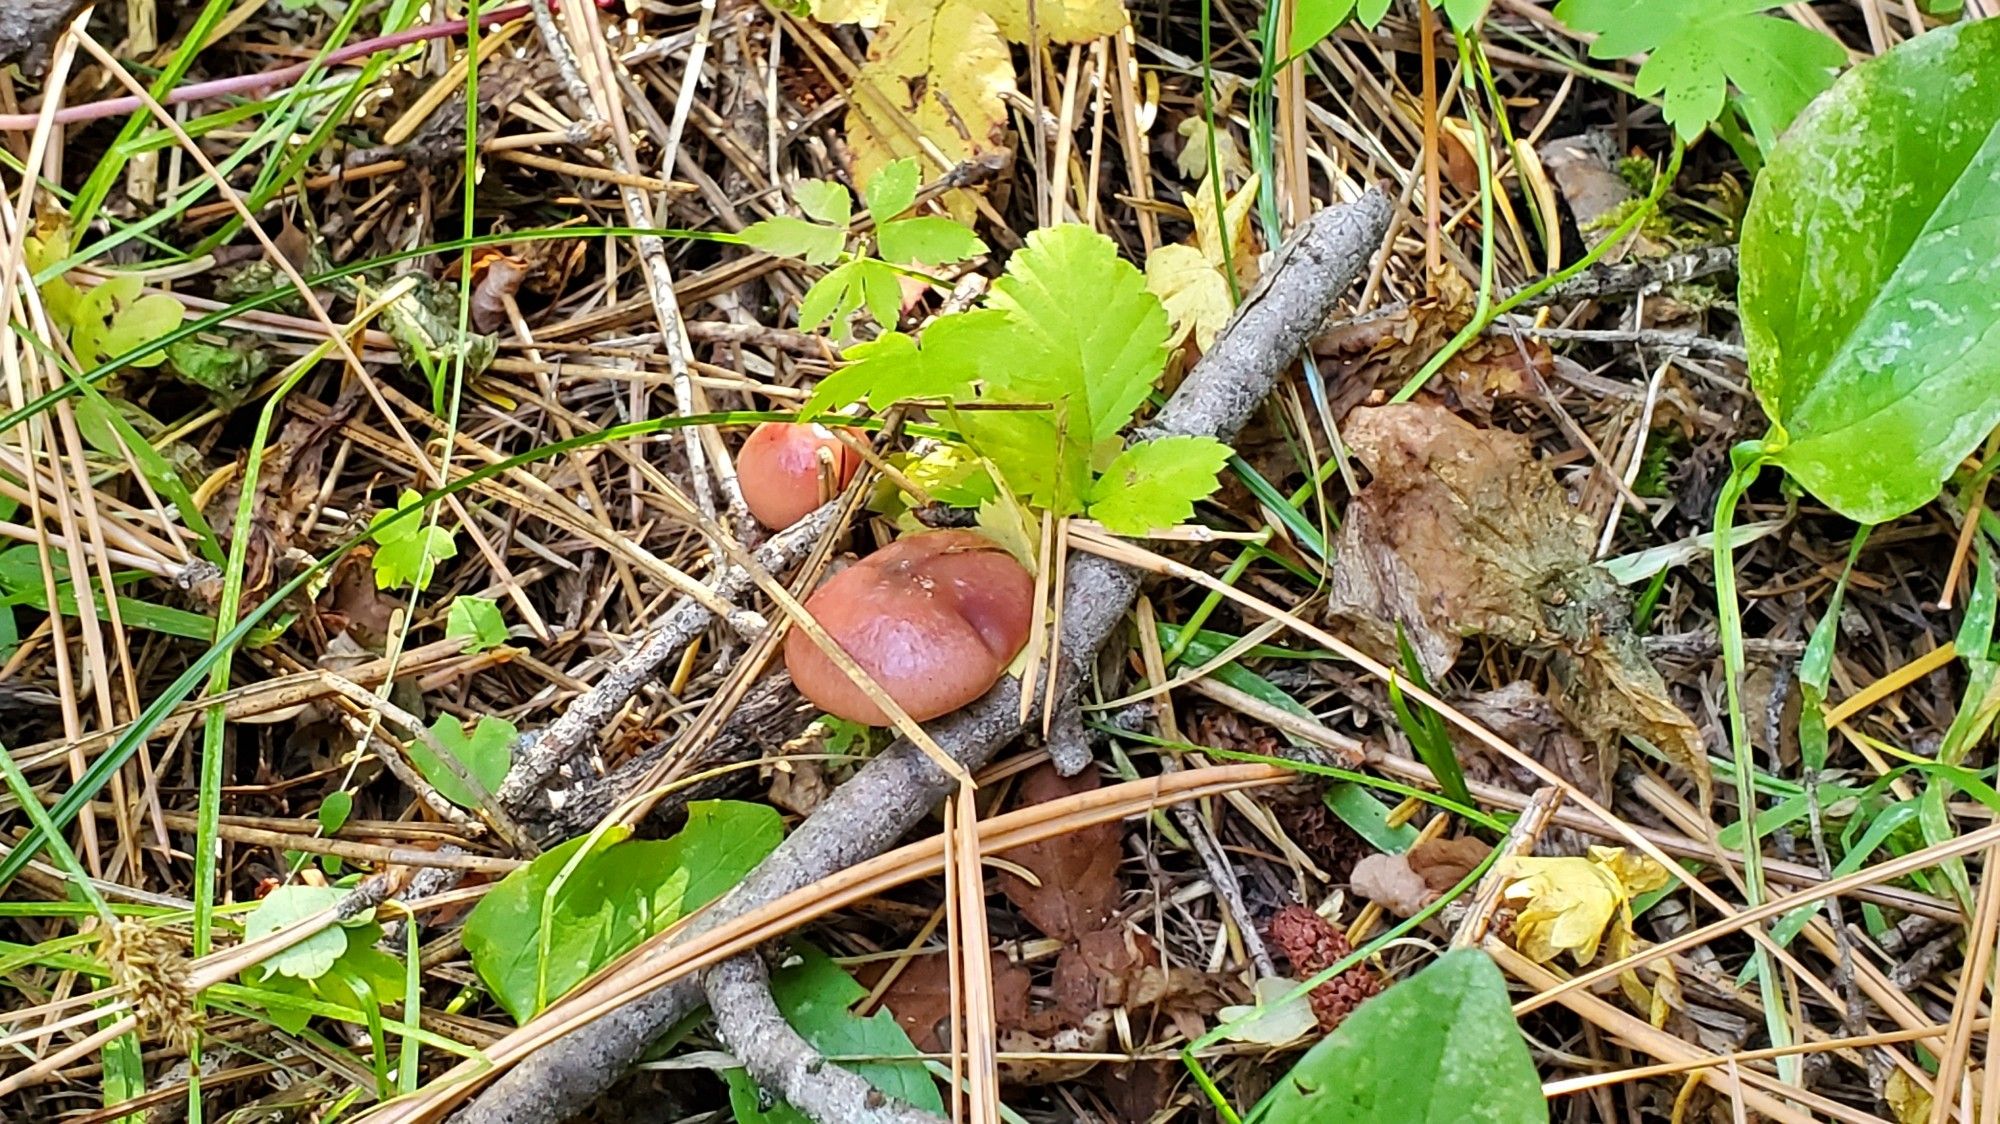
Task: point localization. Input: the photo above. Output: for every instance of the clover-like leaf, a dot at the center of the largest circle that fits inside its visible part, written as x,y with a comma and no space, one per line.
289,905
483,753
477,621
407,549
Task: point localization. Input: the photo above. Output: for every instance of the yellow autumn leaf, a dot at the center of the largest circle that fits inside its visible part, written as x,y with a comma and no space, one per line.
1209,231
941,70
1190,279
1058,21
1570,904
1195,293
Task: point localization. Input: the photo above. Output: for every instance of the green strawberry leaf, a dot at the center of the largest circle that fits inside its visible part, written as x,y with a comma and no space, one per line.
824,200
1869,306
1154,484
1696,48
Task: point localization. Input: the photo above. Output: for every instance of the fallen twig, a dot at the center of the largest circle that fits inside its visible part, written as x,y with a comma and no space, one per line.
541,753
893,792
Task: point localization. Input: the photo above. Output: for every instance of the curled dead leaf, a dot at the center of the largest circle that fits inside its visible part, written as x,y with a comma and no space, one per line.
1388,881
1461,532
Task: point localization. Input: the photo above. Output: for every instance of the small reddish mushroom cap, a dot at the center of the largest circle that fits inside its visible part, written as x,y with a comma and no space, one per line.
934,618
778,468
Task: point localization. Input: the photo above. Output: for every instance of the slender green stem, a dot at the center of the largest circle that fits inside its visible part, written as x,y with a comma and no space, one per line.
1479,323
1748,462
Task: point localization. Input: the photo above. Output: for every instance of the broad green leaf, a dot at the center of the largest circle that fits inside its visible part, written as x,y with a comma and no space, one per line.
788,237
892,190
547,926
926,240
1154,484
1696,48
1087,328
287,905
477,621
824,200
1439,1046
334,810
723,841
407,551
484,754
141,322
1869,304
815,996
1314,20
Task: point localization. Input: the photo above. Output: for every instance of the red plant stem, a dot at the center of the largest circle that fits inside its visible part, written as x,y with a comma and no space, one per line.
263,80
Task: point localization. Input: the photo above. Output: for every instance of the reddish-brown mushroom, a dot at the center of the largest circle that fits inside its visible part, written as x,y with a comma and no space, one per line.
779,468
934,618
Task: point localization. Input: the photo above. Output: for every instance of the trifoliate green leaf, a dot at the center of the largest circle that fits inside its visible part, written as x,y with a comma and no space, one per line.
1154,484
788,237
893,189
927,240
1696,48
483,754
408,550
477,621
824,200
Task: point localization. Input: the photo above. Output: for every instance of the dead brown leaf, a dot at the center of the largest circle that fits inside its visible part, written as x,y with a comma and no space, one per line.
920,999
1444,863
1385,347
1463,533
1388,881
1078,872
1525,717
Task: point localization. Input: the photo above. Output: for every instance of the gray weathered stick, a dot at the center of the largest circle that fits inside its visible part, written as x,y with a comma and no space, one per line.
889,796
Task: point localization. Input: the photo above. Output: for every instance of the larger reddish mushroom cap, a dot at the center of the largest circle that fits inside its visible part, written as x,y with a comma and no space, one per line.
778,468
934,618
